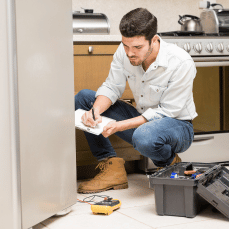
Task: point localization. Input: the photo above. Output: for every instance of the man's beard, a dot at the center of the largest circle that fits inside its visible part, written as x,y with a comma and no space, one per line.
136,63
141,62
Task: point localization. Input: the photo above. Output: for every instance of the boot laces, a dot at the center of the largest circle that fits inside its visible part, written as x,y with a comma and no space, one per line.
102,166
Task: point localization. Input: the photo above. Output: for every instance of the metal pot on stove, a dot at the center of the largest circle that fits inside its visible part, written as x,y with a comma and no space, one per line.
190,23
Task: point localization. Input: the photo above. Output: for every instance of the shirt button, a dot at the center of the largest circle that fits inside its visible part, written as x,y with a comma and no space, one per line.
141,95
143,81
142,108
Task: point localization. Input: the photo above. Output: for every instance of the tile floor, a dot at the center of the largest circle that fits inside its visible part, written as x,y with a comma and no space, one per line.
137,212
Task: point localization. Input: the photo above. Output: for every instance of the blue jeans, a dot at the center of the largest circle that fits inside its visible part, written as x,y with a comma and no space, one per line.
157,139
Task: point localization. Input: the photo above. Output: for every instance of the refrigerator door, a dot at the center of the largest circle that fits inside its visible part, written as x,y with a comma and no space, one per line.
10,209
46,108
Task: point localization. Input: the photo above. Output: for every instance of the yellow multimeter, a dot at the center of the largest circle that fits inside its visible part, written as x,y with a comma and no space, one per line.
107,206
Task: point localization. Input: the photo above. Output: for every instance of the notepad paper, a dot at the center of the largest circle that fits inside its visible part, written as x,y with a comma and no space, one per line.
97,130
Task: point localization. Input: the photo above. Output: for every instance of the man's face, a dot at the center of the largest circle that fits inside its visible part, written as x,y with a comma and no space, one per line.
137,49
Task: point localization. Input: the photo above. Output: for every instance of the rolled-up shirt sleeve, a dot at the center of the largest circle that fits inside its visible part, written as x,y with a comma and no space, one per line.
176,94
115,83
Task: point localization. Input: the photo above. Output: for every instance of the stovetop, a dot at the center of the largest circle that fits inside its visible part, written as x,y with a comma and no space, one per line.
193,34
198,43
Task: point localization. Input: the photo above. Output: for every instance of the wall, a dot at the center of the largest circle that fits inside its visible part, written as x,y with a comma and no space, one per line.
225,3
166,11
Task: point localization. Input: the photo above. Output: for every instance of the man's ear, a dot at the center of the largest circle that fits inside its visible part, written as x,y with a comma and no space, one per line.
154,39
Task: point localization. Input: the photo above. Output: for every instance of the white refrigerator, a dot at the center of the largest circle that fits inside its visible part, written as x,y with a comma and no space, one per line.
37,131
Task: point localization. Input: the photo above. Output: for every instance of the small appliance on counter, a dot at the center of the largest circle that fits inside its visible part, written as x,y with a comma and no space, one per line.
190,23
215,20
90,23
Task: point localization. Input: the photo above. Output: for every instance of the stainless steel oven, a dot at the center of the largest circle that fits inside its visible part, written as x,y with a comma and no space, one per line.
211,96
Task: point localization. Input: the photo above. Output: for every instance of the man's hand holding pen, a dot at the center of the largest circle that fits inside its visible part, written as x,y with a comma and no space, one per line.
91,118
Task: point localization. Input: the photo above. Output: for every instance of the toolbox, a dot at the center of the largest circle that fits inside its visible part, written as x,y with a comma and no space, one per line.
185,195
214,188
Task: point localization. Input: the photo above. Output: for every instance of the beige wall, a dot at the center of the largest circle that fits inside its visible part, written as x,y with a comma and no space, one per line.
166,11
225,3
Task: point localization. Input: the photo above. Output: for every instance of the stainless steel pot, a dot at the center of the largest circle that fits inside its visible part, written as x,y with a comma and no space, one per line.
90,23
190,23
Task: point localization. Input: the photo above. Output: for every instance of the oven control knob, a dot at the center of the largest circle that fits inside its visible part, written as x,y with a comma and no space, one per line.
198,47
220,47
187,47
209,47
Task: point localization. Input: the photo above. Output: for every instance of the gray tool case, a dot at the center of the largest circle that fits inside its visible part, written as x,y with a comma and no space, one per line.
186,196
214,188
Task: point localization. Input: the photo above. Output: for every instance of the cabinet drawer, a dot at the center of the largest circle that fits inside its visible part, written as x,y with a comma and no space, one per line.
89,49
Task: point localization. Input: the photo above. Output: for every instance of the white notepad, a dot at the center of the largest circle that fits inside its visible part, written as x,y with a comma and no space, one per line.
93,130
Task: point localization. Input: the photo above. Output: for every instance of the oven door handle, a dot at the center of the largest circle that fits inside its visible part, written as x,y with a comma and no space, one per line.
211,64
211,61
203,140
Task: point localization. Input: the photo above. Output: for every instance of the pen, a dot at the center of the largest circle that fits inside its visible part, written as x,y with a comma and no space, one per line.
93,113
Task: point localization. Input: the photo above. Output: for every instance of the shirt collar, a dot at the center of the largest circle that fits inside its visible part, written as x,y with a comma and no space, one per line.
161,59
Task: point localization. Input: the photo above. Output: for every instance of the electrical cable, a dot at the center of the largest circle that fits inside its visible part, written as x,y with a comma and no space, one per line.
91,198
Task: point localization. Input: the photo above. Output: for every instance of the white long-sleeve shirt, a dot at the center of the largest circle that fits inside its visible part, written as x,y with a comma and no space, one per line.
165,89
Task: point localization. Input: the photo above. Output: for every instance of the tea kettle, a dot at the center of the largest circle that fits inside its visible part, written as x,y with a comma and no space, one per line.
190,23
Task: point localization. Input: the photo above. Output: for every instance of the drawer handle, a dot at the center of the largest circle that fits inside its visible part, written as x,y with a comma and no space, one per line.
90,49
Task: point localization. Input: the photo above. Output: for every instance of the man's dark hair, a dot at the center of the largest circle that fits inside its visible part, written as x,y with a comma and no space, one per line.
139,22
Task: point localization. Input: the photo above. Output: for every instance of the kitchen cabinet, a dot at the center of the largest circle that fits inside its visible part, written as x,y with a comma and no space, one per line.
92,64
91,67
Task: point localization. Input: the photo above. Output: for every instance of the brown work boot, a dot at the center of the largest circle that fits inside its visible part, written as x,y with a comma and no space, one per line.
112,176
176,159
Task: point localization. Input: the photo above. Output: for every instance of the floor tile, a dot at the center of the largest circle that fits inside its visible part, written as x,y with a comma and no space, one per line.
88,221
209,224
137,194
131,197
211,213
148,215
137,211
